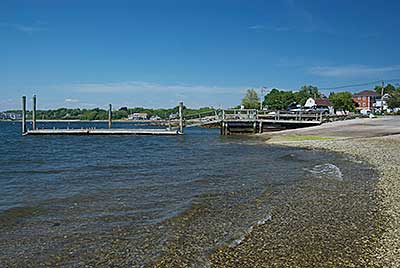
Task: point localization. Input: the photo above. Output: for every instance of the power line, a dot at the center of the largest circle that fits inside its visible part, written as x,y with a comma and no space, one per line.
359,85
352,85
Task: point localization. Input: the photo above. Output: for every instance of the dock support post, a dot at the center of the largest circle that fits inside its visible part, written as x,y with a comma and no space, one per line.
34,113
224,128
260,130
181,117
23,115
110,116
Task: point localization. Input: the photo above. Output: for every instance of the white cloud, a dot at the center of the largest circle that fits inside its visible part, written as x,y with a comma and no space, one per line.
71,100
29,29
352,70
256,27
146,87
149,94
271,28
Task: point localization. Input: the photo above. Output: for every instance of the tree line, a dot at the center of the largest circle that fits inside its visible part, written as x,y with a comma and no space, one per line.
102,114
281,99
275,100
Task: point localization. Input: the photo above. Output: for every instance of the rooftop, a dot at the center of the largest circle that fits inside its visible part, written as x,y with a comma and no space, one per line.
323,102
368,93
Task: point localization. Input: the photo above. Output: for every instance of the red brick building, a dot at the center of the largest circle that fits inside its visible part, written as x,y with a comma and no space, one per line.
365,99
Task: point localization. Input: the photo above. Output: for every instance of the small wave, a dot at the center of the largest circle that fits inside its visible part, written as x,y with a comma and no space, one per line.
250,229
327,171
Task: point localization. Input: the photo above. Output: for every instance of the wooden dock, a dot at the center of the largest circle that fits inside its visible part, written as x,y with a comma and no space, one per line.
235,121
230,121
112,131
95,131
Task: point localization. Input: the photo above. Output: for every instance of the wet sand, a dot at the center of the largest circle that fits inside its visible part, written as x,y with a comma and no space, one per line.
358,228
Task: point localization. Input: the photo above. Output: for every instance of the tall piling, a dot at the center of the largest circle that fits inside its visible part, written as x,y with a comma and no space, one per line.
110,116
23,115
223,123
181,117
34,113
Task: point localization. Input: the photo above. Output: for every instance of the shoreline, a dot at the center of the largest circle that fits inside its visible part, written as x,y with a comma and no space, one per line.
376,152
85,121
375,142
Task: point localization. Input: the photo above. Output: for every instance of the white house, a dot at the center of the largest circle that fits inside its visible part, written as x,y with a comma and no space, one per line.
381,101
138,116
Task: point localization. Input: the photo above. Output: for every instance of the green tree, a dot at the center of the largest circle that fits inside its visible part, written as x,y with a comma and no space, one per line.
306,92
394,99
251,100
342,101
279,99
389,89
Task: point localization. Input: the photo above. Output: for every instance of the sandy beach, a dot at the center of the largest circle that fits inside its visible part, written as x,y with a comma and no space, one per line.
358,228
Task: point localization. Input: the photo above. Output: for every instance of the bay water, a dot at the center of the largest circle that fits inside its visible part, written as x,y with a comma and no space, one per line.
137,201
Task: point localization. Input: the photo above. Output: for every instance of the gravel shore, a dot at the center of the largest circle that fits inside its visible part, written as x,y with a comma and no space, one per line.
359,228
384,154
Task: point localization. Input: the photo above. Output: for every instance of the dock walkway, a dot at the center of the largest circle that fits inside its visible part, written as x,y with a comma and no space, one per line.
112,131
94,131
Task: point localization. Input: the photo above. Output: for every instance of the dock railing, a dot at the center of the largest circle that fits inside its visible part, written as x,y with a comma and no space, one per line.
257,115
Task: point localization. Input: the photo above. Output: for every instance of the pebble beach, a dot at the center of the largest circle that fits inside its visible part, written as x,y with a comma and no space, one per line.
358,228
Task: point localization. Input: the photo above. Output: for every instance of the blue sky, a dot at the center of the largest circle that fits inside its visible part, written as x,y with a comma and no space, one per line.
206,53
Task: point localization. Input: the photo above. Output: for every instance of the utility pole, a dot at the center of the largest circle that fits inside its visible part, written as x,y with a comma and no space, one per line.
382,93
263,90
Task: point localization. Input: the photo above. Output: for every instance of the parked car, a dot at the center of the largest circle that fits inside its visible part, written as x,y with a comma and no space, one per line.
323,110
295,108
317,109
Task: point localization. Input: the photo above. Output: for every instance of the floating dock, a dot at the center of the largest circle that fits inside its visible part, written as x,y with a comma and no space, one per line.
95,131
113,131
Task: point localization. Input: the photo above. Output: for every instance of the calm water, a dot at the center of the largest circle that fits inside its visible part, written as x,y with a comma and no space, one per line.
136,200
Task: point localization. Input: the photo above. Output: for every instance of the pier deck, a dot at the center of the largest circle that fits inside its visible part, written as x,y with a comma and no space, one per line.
112,131
230,121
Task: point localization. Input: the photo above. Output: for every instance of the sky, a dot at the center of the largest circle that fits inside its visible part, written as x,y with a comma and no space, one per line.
204,52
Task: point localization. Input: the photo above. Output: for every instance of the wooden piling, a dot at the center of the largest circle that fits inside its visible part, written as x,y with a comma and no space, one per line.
181,117
110,116
23,115
34,127
224,128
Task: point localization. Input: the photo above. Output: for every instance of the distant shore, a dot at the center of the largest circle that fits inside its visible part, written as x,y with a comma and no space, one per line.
87,121
376,141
